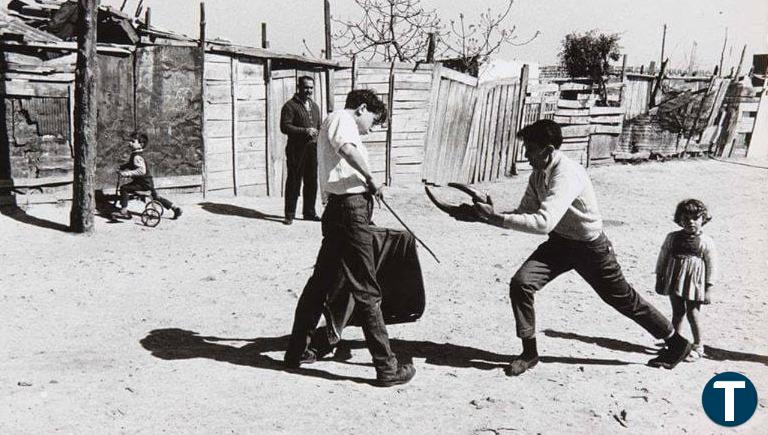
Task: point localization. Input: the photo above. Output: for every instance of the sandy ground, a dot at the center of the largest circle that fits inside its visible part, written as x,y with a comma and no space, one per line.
181,328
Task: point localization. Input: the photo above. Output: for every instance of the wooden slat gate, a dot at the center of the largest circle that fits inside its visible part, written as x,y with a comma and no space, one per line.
471,135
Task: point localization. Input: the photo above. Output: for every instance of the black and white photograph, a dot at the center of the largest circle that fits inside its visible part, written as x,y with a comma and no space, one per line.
383,217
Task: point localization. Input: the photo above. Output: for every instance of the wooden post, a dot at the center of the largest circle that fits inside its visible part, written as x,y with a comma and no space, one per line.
663,43
329,80
657,86
83,204
390,101
741,61
623,67
327,17
353,73
233,65
431,48
524,73
722,54
268,117
147,17
204,186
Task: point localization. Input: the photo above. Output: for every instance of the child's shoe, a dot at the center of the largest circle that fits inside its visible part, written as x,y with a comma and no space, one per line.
176,212
697,353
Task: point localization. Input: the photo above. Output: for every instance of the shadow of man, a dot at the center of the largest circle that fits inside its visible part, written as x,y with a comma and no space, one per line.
712,353
234,210
173,344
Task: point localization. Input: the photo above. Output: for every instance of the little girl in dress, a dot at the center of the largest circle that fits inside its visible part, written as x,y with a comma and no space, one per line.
685,269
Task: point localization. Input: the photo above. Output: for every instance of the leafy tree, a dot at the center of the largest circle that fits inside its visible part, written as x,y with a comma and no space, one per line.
589,55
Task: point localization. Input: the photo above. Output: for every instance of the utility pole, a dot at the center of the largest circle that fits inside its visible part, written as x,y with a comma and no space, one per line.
663,42
81,215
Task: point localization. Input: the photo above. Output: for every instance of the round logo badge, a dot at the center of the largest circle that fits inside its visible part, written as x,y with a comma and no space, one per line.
729,399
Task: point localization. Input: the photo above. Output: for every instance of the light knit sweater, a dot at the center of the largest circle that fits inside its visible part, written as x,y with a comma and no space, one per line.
558,198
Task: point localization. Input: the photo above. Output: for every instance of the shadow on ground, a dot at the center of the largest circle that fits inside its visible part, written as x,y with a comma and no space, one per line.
20,215
712,353
175,344
234,210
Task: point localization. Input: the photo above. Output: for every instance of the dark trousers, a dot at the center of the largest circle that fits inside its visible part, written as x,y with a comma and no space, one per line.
345,265
301,162
596,262
134,186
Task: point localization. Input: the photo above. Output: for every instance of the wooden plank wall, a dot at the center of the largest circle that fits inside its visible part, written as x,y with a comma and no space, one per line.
219,156
410,115
472,128
636,95
249,119
590,133
446,151
235,124
281,89
540,103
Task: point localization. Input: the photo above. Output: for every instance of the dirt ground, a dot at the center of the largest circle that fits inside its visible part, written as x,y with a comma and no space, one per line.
181,328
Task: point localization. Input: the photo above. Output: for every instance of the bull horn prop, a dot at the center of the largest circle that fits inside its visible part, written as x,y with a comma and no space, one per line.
462,212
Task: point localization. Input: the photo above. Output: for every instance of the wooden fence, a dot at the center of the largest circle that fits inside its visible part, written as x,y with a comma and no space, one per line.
396,150
471,136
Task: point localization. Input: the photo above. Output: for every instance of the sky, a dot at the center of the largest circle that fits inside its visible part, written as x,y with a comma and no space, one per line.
639,22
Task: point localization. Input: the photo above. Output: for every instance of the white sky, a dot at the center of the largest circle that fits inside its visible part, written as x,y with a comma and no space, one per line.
639,22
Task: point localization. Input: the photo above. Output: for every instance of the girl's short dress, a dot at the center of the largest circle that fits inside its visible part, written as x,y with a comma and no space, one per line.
685,266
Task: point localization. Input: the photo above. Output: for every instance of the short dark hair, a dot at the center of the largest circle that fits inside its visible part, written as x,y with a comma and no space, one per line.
302,78
372,102
691,207
544,132
141,137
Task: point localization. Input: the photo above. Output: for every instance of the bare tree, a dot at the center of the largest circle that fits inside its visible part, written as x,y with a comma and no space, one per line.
473,43
388,30
398,30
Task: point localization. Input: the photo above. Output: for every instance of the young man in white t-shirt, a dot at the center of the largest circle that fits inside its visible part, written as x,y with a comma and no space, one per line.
345,264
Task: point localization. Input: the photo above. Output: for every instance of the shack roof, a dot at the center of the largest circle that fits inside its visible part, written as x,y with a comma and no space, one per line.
54,22
13,28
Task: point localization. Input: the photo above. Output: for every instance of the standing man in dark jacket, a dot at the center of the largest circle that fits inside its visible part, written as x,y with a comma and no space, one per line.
300,121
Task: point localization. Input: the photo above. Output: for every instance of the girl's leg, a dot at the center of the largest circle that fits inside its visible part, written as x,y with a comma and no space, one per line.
692,310
678,311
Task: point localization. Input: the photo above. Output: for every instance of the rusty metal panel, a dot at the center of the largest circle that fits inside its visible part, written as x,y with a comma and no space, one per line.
169,108
115,115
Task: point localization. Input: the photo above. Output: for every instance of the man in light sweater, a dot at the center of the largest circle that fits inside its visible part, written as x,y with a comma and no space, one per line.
560,202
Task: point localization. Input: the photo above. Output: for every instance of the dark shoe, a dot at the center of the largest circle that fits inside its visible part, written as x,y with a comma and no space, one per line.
176,212
520,365
288,221
121,215
308,357
402,375
672,355
312,217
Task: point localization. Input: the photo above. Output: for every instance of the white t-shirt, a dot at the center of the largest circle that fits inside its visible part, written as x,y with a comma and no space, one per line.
336,175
